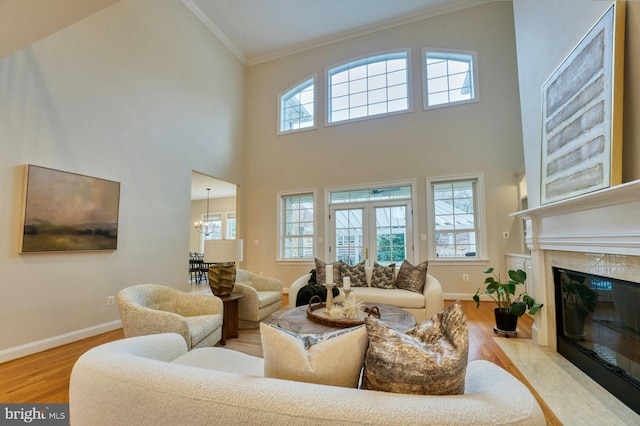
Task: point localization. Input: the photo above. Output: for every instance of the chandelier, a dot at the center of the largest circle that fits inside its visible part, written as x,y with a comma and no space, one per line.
206,226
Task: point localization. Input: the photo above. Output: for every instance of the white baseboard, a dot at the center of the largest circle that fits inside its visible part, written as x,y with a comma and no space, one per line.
458,296
52,342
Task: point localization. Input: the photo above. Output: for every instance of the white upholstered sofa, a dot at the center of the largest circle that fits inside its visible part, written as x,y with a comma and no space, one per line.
422,305
153,380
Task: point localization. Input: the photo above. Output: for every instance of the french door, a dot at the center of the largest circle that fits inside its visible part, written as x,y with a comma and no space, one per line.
374,231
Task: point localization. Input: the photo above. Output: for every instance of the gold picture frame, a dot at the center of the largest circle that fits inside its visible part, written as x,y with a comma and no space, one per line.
65,211
582,114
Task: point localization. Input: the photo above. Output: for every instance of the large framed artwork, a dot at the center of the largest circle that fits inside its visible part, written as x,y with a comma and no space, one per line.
582,114
65,211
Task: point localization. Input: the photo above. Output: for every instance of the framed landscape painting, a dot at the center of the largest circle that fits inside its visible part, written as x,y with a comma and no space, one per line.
68,212
582,114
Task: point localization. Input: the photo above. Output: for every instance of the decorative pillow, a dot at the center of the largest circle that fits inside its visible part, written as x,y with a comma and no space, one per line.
412,277
429,359
382,276
321,272
355,272
329,359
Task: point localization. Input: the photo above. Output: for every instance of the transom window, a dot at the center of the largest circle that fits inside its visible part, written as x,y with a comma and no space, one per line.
372,86
457,220
297,226
449,78
297,107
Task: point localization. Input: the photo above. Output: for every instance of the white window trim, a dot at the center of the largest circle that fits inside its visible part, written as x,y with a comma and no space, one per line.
313,77
414,206
279,259
476,85
327,86
481,239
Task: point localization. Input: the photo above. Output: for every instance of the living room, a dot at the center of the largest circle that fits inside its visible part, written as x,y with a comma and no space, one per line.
142,93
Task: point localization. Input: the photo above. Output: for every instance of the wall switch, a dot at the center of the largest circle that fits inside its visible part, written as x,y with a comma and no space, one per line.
255,242
423,237
505,235
111,300
465,277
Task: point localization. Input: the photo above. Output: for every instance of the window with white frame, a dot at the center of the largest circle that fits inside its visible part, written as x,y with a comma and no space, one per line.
371,224
367,87
455,208
297,107
297,226
449,77
231,226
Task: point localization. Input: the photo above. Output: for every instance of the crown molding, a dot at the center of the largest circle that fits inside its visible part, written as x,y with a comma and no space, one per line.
215,30
346,35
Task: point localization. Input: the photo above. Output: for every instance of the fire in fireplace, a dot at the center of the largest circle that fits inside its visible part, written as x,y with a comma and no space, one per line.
598,329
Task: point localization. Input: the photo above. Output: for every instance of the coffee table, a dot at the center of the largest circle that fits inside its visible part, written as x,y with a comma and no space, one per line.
296,320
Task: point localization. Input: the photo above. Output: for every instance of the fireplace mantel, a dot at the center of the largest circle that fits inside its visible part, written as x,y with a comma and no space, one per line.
605,222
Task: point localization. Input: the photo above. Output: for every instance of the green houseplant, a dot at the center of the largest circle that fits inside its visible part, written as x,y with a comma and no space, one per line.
510,307
578,301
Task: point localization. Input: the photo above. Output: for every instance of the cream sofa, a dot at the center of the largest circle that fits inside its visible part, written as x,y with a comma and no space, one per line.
422,306
153,380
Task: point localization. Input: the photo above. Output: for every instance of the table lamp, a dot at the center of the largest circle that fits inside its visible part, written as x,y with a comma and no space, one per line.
222,255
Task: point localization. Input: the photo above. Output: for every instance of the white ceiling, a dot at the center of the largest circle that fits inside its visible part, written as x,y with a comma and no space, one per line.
261,30
219,189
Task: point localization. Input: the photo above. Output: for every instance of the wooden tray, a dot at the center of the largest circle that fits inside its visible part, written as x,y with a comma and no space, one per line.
315,312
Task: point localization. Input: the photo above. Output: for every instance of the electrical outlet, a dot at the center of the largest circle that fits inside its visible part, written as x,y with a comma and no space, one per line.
465,277
505,235
111,300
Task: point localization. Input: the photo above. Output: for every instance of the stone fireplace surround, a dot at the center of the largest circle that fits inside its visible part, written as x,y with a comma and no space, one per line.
597,233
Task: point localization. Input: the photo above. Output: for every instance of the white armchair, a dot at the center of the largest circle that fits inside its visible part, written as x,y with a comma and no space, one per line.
261,296
153,309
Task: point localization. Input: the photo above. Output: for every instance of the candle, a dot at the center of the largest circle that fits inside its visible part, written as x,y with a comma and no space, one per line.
329,274
346,283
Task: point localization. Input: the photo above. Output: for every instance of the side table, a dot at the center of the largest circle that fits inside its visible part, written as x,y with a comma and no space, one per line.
230,317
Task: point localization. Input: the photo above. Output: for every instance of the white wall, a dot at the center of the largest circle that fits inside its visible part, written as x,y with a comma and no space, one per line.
140,93
546,32
480,137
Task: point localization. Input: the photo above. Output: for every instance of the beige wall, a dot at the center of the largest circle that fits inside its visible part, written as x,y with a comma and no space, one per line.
198,208
546,32
141,93
23,22
480,137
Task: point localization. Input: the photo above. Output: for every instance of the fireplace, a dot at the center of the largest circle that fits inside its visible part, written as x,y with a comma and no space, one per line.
598,330
596,235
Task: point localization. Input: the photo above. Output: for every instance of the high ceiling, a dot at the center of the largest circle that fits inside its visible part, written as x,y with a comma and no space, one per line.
261,30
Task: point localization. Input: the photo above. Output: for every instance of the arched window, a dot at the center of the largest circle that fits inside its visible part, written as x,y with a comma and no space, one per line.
367,87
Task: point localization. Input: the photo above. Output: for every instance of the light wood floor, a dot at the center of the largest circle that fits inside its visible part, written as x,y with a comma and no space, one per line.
44,377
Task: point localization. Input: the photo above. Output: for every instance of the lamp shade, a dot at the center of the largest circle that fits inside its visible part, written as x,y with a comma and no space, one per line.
222,251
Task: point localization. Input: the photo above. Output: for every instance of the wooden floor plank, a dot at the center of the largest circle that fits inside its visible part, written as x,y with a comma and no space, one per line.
44,377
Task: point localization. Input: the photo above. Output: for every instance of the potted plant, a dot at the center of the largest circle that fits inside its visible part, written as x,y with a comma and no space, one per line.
578,300
510,307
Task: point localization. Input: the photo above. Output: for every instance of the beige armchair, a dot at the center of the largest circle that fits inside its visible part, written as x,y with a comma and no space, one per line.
153,309
261,296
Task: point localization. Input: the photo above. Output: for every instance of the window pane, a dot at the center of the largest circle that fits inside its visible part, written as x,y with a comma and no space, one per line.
369,84
297,227
448,78
297,107
454,219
